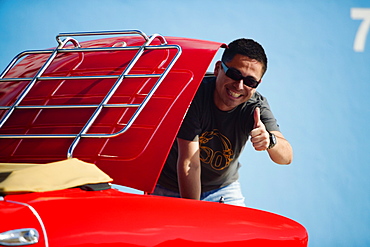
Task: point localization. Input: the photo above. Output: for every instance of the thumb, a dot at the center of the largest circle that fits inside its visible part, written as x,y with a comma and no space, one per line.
257,120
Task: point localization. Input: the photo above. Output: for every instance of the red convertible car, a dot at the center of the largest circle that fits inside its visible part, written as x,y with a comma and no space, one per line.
83,115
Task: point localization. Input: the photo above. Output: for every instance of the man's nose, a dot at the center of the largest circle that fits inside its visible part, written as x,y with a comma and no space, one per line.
239,85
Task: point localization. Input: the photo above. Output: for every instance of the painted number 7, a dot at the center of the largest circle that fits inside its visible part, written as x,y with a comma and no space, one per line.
360,39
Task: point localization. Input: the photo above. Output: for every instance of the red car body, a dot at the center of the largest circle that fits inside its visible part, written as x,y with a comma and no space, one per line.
117,103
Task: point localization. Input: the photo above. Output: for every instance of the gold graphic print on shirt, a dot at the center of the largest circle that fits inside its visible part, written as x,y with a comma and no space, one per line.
218,159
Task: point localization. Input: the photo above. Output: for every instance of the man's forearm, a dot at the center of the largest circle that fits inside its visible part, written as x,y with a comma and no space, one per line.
188,169
189,181
282,152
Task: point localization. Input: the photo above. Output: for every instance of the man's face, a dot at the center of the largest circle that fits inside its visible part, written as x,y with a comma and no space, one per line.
230,93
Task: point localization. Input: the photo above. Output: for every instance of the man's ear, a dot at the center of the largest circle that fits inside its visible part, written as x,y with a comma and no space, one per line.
217,68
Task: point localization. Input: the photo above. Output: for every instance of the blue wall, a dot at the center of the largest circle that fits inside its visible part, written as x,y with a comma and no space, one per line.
318,85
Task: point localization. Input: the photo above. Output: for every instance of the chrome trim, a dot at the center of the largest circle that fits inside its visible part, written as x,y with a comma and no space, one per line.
101,33
68,106
31,84
35,213
114,88
104,103
97,77
28,235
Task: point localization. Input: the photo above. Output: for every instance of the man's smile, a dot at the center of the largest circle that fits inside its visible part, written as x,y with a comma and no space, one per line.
233,94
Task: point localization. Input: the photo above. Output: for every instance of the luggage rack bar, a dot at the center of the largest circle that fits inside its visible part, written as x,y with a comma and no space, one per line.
46,78
104,103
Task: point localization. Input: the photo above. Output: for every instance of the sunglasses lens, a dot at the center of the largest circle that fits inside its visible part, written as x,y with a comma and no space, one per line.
234,74
250,82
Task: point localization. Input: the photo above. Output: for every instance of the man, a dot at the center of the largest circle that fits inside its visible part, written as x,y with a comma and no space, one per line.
227,109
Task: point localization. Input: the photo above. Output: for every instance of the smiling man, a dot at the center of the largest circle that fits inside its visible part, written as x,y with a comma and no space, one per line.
227,110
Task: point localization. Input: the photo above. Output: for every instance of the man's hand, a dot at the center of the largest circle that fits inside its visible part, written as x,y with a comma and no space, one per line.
281,153
260,138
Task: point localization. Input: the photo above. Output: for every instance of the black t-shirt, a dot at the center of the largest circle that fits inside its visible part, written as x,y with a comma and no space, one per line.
222,136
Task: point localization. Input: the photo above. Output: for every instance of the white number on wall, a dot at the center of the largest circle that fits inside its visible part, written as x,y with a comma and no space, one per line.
360,39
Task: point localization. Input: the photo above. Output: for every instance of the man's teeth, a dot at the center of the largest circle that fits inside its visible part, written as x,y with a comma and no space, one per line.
236,95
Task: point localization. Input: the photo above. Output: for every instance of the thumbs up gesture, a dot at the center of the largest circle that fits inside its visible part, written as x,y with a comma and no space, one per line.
259,136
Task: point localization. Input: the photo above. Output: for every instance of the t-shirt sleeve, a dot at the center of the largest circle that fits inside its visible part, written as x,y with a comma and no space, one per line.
267,117
190,128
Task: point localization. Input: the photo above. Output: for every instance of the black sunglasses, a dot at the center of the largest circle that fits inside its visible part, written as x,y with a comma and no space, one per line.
237,76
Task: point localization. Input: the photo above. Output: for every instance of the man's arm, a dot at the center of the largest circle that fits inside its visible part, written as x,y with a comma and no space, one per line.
281,153
188,169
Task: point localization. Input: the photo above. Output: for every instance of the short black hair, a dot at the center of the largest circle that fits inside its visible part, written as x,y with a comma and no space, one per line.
246,47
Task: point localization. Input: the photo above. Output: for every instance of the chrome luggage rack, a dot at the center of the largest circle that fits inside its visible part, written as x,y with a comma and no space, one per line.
104,103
